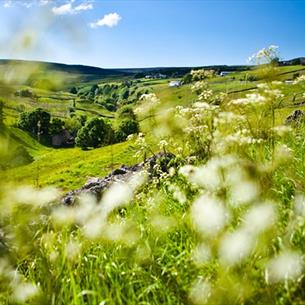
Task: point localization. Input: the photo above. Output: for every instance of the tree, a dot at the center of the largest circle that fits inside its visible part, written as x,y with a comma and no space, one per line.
56,126
73,90
126,128
126,112
36,121
187,79
95,133
94,89
125,94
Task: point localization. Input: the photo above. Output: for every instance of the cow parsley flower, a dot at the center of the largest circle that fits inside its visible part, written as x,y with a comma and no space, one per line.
209,215
260,217
286,266
300,79
200,292
235,247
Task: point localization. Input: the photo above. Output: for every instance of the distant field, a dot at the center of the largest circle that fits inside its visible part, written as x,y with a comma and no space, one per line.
70,168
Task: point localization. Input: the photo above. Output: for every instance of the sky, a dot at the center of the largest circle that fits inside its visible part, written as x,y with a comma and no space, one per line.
143,33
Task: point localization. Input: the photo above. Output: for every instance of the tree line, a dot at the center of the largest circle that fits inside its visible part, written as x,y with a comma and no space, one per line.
88,132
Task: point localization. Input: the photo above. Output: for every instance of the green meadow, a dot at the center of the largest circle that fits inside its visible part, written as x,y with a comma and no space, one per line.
222,222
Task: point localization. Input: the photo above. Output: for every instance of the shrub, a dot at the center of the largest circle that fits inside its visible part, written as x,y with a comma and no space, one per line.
296,75
73,90
126,112
95,133
56,126
25,93
35,121
187,79
126,128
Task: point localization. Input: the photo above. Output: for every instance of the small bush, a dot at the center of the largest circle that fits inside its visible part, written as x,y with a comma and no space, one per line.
126,128
95,133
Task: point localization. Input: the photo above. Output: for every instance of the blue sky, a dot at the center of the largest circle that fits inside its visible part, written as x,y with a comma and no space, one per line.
144,33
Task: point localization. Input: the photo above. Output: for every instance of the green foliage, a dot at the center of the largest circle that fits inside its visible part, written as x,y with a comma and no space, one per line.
126,112
96,132
127,127
94,89
187,79
252,78
73,90
13,153
56,126
295,75
71,111
75,123
25,93
125,94
36,121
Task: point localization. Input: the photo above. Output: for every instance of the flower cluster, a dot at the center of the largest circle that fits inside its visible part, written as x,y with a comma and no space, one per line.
265,55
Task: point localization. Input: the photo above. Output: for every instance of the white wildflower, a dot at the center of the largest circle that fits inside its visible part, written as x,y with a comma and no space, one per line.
117,195
24,291
300,205
277,83
235,247
265,55
86,208
187,170
260,217
281,130
243,192
250,99
300,79
262,86
63,215
200,292
288,265
163,144
209,215
29,195
177,193
93,228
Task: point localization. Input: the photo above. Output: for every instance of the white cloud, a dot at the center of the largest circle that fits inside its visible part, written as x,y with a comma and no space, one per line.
84,7
68,9
24,3
63,9
109,20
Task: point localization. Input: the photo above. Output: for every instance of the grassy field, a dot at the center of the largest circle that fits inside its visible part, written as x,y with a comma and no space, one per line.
69,168
222,224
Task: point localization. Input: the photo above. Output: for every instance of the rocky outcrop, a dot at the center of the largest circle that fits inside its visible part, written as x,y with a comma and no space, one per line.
96,186
295,117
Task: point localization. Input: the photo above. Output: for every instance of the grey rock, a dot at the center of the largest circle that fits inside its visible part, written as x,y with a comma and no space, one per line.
96,186
295,117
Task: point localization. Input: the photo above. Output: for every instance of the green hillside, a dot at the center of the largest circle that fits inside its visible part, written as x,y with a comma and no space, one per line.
55,74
